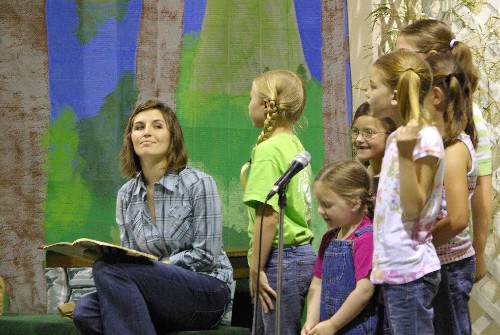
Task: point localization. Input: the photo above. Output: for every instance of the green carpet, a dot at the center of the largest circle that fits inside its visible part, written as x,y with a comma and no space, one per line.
50,324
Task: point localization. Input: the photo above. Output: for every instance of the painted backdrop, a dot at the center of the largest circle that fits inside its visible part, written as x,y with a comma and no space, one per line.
93,70
71,72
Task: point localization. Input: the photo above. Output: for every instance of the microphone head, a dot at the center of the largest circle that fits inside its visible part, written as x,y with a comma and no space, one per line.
303,158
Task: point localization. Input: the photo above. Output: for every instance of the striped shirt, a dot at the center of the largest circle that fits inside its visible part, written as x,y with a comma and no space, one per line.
188,228
483,150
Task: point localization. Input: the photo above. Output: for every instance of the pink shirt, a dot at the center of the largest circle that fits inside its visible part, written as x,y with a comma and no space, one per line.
363,251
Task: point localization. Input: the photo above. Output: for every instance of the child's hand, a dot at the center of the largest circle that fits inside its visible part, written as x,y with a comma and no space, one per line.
323,328
480,267
308,326
406,138
266,292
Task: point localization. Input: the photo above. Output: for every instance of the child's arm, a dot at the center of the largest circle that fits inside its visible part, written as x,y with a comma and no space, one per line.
269,226
352,306
481,218
456,191
416,177
313,301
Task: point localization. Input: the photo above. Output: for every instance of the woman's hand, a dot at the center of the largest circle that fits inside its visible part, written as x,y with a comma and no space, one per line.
266,293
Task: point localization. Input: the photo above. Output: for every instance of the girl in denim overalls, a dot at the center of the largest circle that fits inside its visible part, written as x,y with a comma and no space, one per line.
341,297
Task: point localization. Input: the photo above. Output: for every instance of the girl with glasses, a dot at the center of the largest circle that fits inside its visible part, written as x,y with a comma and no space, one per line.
368,136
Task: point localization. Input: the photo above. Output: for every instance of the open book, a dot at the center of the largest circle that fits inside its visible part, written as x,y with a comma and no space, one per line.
89,249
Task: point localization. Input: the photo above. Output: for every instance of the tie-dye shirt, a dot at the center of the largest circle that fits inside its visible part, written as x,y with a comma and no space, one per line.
403,249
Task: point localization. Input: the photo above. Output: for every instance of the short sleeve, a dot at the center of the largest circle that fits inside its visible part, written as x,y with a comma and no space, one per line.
318,272
429,143
483,149
363,253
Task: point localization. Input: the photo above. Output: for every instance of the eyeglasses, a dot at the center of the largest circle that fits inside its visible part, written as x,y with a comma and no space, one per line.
367,134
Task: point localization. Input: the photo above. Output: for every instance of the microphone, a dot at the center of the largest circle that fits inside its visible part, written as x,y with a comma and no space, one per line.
299,163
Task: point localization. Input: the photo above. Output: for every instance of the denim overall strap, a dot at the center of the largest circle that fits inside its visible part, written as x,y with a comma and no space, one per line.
339,280
359,232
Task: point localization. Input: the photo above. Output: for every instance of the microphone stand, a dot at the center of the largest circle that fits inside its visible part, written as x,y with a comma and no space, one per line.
282,205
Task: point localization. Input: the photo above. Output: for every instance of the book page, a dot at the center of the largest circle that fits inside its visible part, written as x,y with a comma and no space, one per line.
91,249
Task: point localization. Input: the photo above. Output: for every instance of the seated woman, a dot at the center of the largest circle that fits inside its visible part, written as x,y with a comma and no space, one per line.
174,212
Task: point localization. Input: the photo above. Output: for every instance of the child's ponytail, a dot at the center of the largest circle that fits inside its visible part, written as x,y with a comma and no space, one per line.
411,77
452,79
461,52
429,34
408,96
269,122
454,102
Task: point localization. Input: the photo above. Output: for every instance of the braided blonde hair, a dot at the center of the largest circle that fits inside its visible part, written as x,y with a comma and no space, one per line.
285,95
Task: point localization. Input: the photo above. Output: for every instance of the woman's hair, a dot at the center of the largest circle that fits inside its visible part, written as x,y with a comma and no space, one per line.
286,95
451,78
411,77
176,156
429,34
349,179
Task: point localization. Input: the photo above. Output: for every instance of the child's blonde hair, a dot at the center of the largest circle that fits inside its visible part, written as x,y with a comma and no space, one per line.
349,179
285,94
411,77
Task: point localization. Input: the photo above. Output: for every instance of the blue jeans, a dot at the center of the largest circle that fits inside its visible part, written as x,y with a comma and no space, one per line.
298,270
409,306
140,296
451,304
338,282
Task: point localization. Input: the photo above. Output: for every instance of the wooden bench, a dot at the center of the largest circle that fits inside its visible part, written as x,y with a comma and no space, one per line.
237,257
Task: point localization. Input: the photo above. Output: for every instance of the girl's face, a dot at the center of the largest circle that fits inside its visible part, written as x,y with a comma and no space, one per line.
335,209
150,135
256,109
380,97
368,137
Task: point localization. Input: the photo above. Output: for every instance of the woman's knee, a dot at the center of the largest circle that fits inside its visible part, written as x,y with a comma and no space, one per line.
86,307
78,315
87,315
